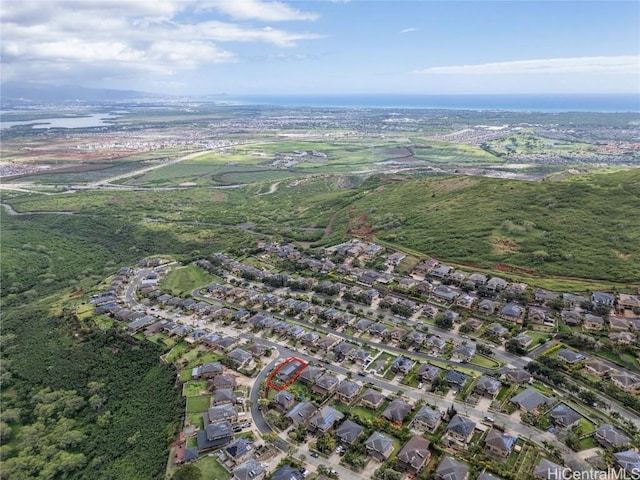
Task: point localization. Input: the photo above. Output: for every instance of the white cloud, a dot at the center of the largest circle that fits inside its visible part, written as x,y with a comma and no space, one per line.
623,64
71,40
409,30
258,10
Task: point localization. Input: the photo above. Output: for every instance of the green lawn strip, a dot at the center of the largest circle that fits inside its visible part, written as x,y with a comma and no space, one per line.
587,443
211,469
484,361
196,419
198,404
194,389
185,374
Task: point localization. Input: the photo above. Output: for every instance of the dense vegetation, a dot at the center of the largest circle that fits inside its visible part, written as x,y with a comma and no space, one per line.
584,226
77,400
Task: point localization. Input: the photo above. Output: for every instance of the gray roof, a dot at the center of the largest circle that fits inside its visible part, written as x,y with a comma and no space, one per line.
451,469
500,440
612,436
372,396
238,447
570,356
349,431
512,310
325,418
530,399
221,412
248,470
302,412
549,470
348,388
488,476
488,384
397,411
629,460
564,415
428,415
415,452
287,472
429,371
378,442
327,381
461,425
224,395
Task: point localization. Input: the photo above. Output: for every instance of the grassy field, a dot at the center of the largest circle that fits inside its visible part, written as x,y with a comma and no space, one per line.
198,403
182,280
211,469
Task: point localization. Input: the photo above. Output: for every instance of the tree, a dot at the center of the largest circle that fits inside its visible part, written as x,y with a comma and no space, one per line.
588,397
326,443
444,322
188,472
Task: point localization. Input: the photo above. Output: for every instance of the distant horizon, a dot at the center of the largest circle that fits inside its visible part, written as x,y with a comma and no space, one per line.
192,47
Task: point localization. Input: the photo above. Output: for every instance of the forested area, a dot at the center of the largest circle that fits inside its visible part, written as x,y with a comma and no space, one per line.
95,404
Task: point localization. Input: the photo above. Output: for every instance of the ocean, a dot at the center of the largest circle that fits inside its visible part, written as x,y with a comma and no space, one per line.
603,103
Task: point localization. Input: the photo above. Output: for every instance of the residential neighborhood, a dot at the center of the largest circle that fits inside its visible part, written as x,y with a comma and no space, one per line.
297,363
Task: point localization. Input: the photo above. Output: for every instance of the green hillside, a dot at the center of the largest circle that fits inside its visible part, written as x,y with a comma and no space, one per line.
584,226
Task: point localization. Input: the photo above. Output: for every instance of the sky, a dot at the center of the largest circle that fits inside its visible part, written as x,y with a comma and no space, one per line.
241,47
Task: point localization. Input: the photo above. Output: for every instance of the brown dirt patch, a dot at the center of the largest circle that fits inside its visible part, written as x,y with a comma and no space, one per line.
620,255
219,196
503,245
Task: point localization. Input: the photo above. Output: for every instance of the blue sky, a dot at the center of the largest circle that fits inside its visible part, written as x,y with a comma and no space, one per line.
325,47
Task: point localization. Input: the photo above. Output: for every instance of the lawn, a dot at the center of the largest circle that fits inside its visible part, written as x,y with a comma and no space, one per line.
198,404
587,443
193,389
183,280
176,351
211,469
483,361
622,359
185,374
364,413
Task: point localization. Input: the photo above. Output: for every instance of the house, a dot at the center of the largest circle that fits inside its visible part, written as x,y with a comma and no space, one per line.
363,325
512,312
609,436
226,343
324,419
249,470
629,460
257,350
450,315
359,355
372,399
397,411
214,435
487,306
530,399
226,380
564,416
348,432
429,311
301,413
570,357
539,316
441,271
603,299
287,472
496,284
466,300
347,391
207,370
522,340
224,396
402,365
327,343
488,386
451,469
241,358
573,301
518,376
571,318
310,338
597,367
543,296
397,334
459,432
325,384
628,302
310,374
342,350
473,324
547,470
379,446
463,353
619,323
593,322
240,450
445,293
456,277
428,372
221,413
455,379
623,338
377,329
415,338
499,443
436,344
488,476
414,455
477,279
427,419
283,401
626,381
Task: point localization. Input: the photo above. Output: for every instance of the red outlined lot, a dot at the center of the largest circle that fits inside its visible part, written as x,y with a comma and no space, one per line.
291,379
